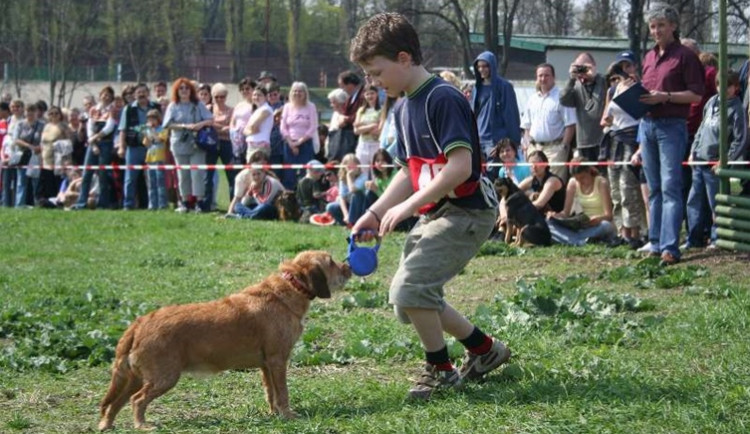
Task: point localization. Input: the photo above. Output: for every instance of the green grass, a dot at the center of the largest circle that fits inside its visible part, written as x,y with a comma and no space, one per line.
603,341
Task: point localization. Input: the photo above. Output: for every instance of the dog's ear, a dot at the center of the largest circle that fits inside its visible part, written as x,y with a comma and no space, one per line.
319,282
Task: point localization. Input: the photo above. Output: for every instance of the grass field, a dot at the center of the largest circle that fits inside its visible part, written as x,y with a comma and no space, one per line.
603,341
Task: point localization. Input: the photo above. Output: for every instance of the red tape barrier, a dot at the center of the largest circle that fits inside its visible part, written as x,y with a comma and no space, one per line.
326,166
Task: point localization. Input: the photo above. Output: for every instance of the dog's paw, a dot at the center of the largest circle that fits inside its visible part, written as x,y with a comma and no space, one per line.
289,414
145,427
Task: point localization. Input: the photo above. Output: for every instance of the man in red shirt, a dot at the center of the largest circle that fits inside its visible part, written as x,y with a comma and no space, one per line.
675,78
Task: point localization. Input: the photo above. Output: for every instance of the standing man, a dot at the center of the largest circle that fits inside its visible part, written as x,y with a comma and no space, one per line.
350,82
130,146
674,76
161,89
586,93
493,100
548,125
346,140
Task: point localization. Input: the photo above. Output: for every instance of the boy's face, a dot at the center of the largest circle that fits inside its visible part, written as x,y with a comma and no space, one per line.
388,74
731,90
484,69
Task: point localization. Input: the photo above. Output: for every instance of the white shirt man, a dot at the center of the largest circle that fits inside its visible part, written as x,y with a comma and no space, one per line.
548,125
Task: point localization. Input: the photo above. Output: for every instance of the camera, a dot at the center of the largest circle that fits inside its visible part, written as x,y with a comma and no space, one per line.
581,69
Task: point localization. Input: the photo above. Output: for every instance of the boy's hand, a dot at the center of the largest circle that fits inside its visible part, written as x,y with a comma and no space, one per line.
394,216
366,227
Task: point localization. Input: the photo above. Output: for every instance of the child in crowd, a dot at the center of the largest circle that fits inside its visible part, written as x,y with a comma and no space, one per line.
382,174
351,202
310,189
591,191
155,139
367,127
457,202
705,148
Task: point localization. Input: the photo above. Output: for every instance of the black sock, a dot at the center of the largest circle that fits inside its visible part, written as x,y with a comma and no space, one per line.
439,359
477,342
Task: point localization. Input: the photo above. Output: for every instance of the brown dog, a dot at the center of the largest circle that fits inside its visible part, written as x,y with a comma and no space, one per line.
256,327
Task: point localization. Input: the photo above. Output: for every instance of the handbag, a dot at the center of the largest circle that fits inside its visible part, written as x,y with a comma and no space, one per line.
33,168
15,153
207,139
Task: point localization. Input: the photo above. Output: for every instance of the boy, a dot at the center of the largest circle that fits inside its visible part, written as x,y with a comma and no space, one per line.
310,193
706,149
440,177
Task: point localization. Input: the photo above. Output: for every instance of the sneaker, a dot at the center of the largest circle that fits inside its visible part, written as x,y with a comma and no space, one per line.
182,209
647,248
712,246
474,366
431,380
231,216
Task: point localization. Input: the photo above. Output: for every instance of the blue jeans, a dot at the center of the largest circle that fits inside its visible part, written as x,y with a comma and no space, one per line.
357,206
262,211
604,231
104,158
157,188
9,182
22,184
663,143
334,209
291,176
133,155
705,186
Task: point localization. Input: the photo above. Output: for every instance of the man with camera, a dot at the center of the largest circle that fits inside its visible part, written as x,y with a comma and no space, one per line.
586,93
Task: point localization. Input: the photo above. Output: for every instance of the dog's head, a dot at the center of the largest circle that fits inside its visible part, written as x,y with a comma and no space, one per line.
318,271
504,187
288,207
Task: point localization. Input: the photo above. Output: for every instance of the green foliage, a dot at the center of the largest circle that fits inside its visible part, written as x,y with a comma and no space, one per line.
500,249
649,274
63,332
567,307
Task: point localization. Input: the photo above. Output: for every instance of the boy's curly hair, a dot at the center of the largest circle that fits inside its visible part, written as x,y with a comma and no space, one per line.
385,34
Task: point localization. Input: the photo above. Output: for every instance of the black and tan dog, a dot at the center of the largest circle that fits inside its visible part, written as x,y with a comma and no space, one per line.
523,220
287,206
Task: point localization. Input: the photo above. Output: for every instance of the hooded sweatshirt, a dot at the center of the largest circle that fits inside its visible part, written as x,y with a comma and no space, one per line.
706,143
495,105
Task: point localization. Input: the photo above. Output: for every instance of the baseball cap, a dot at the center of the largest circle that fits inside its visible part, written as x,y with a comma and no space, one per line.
315,165
626,55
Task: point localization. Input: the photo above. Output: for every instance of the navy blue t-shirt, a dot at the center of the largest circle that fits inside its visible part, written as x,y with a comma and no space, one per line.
422,146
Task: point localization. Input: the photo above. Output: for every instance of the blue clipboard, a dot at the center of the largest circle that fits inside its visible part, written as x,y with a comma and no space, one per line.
629,100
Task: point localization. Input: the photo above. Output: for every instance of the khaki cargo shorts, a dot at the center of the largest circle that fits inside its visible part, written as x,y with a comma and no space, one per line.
437,249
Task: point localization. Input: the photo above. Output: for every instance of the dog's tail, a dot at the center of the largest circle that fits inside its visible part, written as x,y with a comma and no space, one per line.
124,381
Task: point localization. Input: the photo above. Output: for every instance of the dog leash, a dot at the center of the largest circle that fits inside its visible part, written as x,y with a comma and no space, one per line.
297,284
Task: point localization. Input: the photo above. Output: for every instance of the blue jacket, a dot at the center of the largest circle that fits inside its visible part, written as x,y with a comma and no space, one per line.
505,120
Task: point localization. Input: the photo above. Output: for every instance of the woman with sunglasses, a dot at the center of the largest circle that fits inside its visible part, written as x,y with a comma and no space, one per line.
49,184
185,116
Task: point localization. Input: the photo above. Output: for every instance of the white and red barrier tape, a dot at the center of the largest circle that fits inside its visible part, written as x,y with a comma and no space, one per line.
326,167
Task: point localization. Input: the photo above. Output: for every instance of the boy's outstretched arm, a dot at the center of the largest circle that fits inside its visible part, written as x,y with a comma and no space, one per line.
397,202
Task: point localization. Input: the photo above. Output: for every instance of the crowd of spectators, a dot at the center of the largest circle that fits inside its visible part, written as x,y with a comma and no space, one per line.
639,196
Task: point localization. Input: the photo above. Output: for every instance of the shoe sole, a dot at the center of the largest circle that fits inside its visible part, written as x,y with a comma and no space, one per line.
472,375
